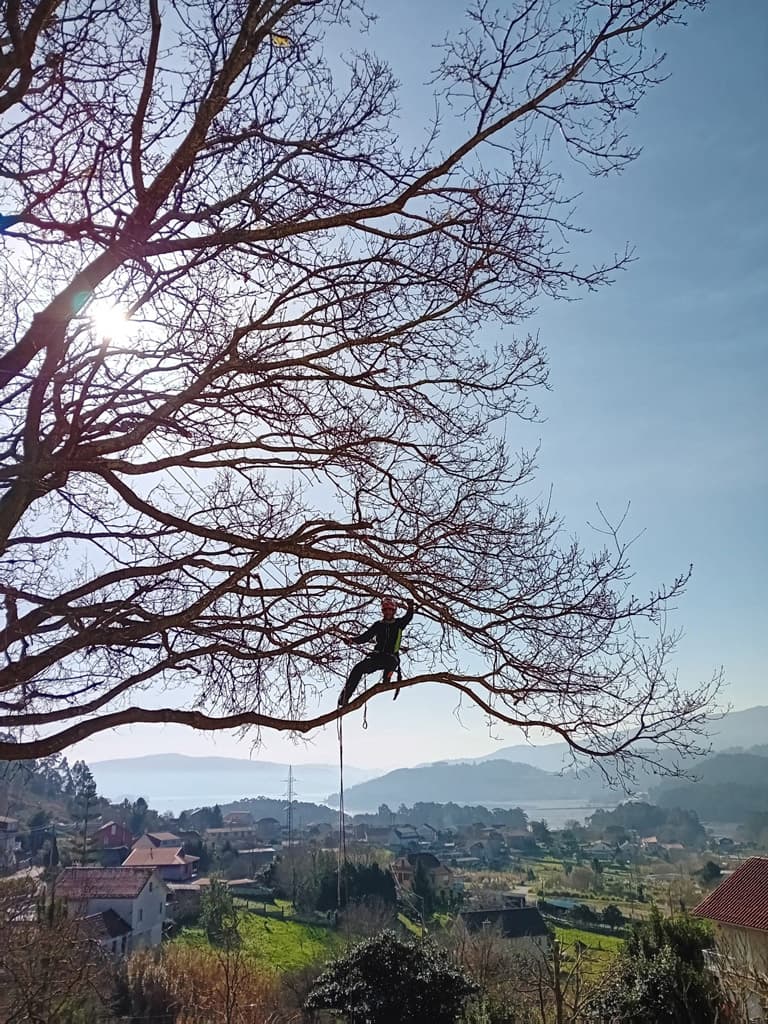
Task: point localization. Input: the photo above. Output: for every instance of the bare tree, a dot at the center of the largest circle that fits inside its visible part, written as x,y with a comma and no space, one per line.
523,984
51,970
244,387
739,961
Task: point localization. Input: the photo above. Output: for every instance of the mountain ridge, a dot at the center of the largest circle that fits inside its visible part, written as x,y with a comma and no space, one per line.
735,729
177,781
494,782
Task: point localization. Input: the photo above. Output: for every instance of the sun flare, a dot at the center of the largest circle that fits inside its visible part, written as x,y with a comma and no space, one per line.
110,322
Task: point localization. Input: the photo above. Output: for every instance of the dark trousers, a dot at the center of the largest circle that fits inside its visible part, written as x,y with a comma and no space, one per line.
386,663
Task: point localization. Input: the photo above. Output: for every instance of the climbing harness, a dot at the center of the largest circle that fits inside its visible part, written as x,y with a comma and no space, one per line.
399,670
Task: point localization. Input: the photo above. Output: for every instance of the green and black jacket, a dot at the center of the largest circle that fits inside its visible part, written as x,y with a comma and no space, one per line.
388,634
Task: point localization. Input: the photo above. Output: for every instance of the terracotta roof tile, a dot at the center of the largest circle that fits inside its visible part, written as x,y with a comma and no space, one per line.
157,856
102,883
742,898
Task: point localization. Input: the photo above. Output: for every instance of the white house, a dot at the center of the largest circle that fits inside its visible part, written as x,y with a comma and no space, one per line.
8,842
738,912
108,930
137,896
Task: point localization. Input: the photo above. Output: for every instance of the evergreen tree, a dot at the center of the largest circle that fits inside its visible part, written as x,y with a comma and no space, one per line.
138,816
387,979
218,916
424,888
660,977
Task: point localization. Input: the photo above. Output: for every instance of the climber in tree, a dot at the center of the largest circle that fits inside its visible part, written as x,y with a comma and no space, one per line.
387,633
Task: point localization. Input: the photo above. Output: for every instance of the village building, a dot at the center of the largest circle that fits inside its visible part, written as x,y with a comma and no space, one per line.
108,930
259,857
133,900
320,830
240,819
269,830
374,835
110,835
237,836
9,843
403,838
113,856
738,911
519,840
441,877
157,840
521,925
650,844
600,851
171,863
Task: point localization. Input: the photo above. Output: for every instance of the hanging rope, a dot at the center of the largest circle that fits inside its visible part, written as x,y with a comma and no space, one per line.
342,860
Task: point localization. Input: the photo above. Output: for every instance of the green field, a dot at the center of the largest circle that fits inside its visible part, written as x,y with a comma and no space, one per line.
606,946
279,945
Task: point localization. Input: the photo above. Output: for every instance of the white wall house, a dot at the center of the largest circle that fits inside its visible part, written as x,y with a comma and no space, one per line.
136,895
8,842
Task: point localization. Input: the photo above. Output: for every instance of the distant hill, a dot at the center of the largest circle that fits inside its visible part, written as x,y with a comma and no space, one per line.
735,731
174,782
728,787
304,813
494,782
549,757
740,729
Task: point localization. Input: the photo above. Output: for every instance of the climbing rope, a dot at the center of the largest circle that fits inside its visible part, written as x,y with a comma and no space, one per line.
342,860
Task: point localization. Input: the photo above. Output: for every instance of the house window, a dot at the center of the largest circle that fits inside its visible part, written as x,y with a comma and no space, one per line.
113,829
141,914
150,887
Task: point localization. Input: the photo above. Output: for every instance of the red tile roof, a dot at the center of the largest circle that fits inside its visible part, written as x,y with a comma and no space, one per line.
157,856
742,898
102,883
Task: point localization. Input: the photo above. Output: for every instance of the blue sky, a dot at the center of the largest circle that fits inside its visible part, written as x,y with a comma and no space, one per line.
658,382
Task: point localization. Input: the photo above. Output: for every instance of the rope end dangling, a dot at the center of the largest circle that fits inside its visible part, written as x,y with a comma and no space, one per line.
365,715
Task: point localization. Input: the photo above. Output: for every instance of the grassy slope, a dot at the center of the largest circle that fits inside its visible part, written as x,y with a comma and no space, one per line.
279,945
606,946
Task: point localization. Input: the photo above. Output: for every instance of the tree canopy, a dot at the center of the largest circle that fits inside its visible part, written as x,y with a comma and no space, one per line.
263,361
387,979
660,977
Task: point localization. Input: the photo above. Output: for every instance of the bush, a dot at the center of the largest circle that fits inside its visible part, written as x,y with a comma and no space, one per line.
387,979
660,977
